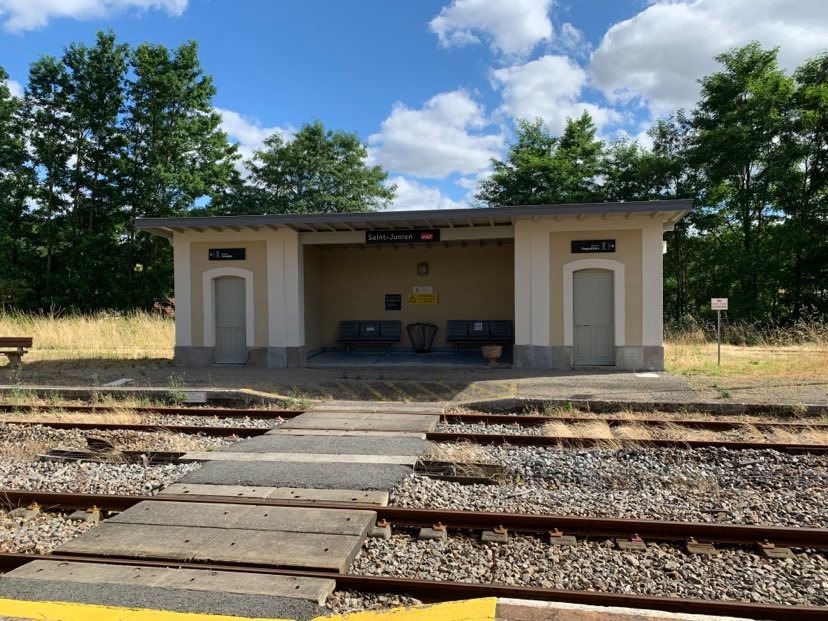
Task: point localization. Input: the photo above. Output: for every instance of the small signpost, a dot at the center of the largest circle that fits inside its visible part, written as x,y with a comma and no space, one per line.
718,305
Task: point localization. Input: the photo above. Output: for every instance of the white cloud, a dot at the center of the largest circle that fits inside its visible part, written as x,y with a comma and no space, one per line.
513,27
659,54
549,87
572,40
246,131
414,196
447,135
21,15
15,88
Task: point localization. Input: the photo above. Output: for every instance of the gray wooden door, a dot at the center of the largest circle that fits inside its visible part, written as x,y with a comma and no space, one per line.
593,315
231,329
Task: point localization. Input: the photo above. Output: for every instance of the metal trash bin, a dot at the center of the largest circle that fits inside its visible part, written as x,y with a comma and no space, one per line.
422,336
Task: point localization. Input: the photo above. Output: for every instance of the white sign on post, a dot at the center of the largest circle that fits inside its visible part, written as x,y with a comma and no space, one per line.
718,305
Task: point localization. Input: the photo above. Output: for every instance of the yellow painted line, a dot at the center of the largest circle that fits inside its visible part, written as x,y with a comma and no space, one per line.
347,390
377,394
70,611
468,610
425,390
261,393
397,390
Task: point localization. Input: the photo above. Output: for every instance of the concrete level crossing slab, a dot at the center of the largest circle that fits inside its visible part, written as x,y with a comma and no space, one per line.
314,590
424,407
277,493
348,445
218,545
249,517
325,458
302,475
364,422
339,433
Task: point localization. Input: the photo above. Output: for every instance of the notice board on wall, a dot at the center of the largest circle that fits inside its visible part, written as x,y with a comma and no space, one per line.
393,301
227,254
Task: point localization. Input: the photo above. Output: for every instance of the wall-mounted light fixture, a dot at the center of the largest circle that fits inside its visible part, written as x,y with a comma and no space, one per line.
422,269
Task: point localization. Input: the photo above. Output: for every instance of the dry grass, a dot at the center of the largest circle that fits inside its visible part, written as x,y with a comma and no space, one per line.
609,436
806,361
459,453
130,336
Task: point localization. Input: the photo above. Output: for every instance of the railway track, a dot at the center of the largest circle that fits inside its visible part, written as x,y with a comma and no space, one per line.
196,411
443,590
655,530
447,436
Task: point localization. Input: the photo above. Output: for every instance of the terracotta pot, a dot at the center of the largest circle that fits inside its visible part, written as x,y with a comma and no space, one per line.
492,353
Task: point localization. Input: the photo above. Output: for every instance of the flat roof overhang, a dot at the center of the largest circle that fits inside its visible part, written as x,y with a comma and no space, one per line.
667,211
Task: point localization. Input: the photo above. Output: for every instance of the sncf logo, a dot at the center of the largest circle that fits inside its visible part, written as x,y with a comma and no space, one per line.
427,236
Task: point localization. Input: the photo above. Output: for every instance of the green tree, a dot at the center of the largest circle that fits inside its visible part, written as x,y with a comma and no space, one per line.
803,191
315,171
743,112
541,168
48,132
16,184
175,155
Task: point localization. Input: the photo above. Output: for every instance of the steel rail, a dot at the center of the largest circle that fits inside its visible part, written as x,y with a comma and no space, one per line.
532,420
444,590
195,411
657,530
574,442
214,431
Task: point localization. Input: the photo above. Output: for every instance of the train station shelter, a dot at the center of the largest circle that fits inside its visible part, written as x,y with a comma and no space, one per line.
557,286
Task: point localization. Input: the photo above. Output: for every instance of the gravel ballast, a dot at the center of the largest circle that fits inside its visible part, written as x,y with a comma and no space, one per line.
661,570
90,477
39,534
702,485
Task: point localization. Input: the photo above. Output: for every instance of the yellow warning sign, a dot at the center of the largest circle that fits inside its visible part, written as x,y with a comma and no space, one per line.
423,298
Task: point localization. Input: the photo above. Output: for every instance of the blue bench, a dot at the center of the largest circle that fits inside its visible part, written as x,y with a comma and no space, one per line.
479,332
369,332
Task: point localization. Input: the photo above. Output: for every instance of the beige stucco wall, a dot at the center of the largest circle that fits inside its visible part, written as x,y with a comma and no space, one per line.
628,252
350,283
256,262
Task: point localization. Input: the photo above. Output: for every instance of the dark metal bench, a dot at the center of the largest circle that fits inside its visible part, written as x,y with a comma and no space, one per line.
479,332
14,347
369,332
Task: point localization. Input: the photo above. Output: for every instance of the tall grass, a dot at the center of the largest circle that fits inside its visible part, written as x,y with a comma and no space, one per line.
129,336
696,331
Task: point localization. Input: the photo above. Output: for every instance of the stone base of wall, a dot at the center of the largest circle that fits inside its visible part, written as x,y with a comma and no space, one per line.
639,358
542,357
194,356
627,358
286,357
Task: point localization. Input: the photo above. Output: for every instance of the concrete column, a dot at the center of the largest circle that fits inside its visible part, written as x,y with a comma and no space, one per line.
285,300
183,292
532,297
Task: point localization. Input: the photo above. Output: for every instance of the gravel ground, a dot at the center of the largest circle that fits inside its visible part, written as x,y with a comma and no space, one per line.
90,477
341,602
38,535
661,570
27,441
161,420
704,485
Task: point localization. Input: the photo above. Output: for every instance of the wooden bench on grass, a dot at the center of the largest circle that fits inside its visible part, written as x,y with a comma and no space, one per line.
14,347
369,332
479,332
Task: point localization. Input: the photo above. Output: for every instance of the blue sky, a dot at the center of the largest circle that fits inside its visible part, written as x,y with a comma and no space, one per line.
432,86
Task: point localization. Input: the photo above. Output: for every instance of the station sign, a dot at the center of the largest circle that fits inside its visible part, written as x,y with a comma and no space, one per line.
718,303
227,254
416,236
593,245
